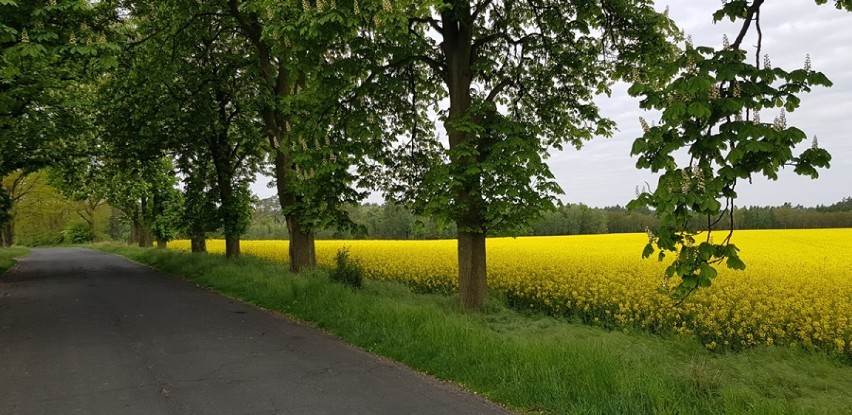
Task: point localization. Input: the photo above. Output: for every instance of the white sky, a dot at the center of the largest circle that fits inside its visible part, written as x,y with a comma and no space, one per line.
604,174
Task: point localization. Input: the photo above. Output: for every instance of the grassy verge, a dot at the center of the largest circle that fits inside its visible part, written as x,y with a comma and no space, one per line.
7,256
530,363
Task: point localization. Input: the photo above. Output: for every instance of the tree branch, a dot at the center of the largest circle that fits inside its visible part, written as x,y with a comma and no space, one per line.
432,22
498,89
752,10
481,7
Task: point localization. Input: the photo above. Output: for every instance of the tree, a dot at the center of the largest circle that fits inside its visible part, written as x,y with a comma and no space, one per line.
520,77
77,179
312,61
711,106
200,214
194,67
45,48
12,189
6,219
41,214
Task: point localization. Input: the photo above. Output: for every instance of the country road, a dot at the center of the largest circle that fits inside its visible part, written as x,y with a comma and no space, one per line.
92,333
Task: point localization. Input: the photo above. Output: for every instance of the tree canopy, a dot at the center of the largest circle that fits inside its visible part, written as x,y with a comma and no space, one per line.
449,107
710,106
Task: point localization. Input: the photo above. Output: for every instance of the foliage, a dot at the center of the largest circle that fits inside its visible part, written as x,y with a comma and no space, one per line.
520,79
6,204
308,59
40,212
40,64
391,221
167,209
144,190
529,362
44,48
196,70
710,108
199,216
534,68
347,270
780,299
77,232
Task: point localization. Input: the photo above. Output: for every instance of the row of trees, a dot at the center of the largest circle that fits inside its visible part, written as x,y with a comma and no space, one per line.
123,99
580,219
391,221
46,217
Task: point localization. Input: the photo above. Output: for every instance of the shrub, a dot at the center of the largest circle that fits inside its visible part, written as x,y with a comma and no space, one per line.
78,233
347,270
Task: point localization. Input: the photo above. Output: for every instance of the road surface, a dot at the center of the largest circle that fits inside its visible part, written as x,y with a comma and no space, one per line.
91,333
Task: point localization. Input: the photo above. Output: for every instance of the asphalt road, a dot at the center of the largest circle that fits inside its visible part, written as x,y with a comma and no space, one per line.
91,333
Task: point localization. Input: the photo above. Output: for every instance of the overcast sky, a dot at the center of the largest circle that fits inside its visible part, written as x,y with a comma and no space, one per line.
602,173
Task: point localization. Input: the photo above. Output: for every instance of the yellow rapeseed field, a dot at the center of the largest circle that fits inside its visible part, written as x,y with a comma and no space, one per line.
797,288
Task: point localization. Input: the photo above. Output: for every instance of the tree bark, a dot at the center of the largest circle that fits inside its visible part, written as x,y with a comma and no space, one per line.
223,164
199,245
232,246
302,247
145,240
457,47
279,81
473,289
134,232
90,207
8,233
161,243
141,234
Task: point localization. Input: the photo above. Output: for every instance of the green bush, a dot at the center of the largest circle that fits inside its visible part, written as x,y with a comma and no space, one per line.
46,238
347,270
78,233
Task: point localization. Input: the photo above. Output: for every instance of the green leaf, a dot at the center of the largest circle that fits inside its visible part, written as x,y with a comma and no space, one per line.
707,271
649,249
734,262
699,110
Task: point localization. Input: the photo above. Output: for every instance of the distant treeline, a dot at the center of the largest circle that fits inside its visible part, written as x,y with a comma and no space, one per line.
391,221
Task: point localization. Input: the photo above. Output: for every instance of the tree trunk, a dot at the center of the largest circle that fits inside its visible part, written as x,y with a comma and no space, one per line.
8,233
302,247
277,79
144,238
473,289
232,246
457,47
91,225
143,224
88,215
114,224
143,235
302,251
161,243
199,245
134,232
148,242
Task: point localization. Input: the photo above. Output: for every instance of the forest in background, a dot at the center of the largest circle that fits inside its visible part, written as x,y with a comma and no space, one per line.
44,217
390,221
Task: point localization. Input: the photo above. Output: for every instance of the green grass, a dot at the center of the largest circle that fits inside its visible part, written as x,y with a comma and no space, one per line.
7,256
528,362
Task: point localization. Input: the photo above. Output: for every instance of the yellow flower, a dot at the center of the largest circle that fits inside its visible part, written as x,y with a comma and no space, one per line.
795,290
